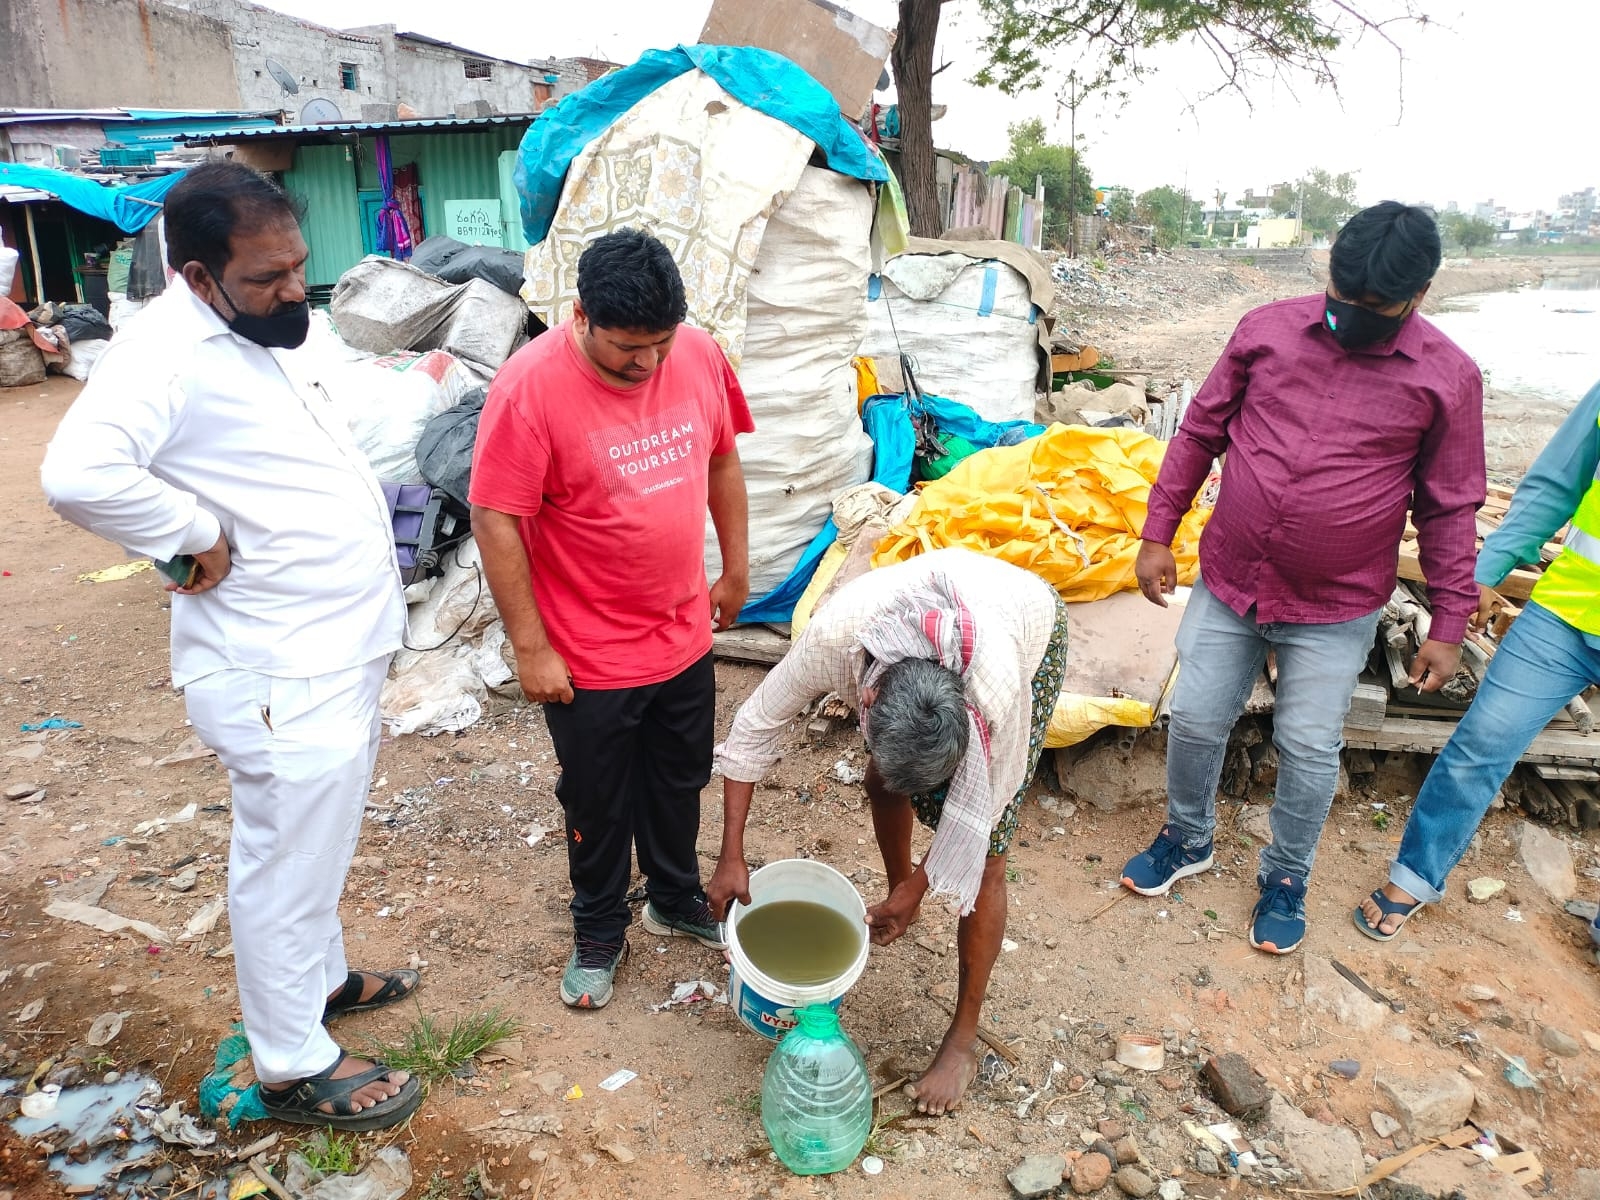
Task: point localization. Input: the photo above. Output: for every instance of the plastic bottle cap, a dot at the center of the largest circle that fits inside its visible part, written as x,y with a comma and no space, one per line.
872,1165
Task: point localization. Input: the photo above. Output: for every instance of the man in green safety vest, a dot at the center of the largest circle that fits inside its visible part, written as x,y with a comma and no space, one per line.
1550,655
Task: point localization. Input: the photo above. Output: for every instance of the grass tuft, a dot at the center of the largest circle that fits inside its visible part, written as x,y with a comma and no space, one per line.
331,1153
432,1052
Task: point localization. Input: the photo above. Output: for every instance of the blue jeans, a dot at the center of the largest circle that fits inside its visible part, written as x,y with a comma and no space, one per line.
1542,664
1220,655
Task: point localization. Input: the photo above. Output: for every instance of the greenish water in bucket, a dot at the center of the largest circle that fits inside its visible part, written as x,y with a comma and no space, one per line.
798,942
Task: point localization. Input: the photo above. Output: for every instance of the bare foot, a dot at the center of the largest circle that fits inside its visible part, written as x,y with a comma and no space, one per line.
1392,921
944,1083
369,1096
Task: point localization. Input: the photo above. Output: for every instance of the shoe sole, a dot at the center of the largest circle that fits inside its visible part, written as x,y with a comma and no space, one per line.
1359,919
1273,948
662,929
586,1000
1198,868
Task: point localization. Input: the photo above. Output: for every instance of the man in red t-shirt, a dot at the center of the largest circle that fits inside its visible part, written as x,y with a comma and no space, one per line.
597,458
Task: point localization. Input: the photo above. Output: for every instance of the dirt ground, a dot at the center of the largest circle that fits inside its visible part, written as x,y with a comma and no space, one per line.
447,879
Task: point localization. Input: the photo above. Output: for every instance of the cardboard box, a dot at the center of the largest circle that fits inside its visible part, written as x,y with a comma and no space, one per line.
836,48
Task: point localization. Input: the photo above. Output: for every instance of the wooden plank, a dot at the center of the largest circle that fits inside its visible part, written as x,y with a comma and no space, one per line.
1084,360
1561,746
1551,772
1518,585
750,644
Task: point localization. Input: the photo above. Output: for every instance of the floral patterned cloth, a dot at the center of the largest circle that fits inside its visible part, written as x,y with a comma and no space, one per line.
697,169
929,806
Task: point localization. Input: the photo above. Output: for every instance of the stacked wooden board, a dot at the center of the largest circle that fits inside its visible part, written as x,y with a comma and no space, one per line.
1559,774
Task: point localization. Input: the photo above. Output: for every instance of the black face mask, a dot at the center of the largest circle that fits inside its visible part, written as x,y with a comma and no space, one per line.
282,330
1353,326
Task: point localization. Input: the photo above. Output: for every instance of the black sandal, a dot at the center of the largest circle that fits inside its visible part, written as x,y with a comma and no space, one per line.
397,985
299,1104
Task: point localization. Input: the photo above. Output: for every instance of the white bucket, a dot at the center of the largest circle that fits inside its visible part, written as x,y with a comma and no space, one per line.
767,1005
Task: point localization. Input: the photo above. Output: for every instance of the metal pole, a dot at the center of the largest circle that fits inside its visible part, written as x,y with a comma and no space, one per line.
1072,196
33,253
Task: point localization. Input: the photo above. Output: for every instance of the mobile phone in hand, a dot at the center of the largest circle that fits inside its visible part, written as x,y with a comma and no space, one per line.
183,570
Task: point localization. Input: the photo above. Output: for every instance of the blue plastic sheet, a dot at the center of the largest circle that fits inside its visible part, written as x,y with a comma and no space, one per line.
129,207
760,79
888,421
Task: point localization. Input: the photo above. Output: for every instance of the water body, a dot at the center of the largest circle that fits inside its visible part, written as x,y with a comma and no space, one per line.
1542,341
1539,350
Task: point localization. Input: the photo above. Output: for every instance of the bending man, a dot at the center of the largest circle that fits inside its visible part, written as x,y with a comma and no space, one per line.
954,662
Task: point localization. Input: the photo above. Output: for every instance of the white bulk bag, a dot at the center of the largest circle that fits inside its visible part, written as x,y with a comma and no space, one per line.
806,315
971,327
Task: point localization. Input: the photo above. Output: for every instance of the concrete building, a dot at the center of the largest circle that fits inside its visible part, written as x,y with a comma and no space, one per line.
107,53
232,54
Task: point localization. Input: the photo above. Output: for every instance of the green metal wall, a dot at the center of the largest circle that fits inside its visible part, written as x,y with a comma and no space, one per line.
450,165
323,179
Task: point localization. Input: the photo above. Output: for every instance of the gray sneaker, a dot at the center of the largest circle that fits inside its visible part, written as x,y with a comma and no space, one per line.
702,927
586,983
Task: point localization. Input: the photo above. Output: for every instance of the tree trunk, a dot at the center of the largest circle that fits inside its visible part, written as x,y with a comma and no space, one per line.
913,82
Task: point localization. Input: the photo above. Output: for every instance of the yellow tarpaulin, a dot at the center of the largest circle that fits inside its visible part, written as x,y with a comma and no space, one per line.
1075,717
1067,505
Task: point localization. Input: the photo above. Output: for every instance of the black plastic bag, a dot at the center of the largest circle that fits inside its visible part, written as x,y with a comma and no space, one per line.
84,323
434,253
444,451
147,276
503,268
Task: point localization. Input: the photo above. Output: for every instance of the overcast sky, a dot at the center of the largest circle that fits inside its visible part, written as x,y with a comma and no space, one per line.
1498,98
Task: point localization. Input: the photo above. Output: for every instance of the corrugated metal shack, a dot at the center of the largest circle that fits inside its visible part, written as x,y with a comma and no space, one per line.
462,172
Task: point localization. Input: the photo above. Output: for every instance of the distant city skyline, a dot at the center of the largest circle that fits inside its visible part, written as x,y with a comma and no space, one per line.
1491,105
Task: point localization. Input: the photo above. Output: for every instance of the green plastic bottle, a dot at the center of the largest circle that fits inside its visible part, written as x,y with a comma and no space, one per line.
816,1096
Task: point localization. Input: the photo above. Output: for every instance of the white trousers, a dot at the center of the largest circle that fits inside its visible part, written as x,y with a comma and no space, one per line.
299,754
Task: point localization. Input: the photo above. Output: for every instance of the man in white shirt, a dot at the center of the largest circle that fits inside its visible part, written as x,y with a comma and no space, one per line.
204,440
954,661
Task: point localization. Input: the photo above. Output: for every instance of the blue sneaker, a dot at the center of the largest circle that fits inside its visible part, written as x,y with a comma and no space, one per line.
1167,861
1278,924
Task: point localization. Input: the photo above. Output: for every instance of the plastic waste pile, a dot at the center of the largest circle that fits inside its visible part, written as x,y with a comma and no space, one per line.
64,338
381,306
400,347
816,1096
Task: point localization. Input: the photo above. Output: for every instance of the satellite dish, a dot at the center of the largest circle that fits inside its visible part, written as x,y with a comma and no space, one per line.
320,112
285,80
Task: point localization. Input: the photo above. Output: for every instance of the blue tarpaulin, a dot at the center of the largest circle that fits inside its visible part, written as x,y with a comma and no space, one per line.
127,206
888,421
760,79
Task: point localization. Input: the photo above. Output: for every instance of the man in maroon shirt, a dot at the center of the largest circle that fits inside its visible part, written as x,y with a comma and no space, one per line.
1336,413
